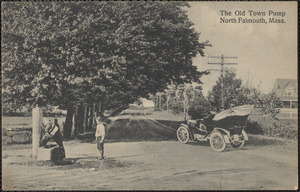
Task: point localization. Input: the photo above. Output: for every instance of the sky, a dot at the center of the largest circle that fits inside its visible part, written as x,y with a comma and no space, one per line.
264,52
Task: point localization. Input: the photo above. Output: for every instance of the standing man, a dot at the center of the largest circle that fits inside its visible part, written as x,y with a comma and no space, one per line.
100,135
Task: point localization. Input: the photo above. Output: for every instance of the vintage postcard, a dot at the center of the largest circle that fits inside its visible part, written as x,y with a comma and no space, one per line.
121,95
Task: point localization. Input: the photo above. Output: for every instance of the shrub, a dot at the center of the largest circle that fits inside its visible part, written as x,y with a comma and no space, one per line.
176,106
199,108
260,124
266,103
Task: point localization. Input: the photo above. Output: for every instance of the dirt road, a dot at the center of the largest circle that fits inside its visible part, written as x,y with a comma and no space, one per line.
142,155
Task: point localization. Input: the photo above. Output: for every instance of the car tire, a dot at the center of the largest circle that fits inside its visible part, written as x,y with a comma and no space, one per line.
183,135
217,142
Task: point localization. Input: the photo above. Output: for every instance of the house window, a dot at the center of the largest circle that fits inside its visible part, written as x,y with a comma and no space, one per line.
286,104
295,92
289,91
294,104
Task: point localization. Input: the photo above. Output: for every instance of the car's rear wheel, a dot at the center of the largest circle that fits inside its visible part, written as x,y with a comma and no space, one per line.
217,142
183,135
237,144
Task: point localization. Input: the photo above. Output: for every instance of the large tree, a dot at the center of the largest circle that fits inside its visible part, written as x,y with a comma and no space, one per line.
68,53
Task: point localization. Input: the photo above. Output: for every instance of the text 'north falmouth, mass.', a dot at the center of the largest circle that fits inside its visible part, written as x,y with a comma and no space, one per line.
252,16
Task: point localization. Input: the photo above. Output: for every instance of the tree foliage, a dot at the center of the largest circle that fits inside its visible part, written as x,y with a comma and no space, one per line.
267,104
69,53
234,93
197,106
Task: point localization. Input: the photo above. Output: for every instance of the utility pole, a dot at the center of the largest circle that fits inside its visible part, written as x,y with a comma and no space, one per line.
222,63
184,103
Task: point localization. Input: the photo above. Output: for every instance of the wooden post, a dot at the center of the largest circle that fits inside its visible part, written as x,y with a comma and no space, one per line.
160,107
37,115
184,104
157,101
167,102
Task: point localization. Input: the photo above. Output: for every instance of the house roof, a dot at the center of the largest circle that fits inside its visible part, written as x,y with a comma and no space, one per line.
281,84
284,82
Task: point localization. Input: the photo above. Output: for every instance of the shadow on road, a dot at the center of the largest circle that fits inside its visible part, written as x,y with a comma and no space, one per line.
171,124
132,130
198,143
93,163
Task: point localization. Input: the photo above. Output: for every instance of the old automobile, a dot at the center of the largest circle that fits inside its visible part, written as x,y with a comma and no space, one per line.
226,127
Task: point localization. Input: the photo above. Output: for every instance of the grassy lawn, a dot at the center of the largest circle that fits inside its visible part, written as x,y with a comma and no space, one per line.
9,122
16,121
171,124
280,144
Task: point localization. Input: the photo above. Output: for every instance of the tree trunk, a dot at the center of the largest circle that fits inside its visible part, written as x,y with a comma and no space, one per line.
96,113
68,123
74,125
91,116
101,109
79,119
85,118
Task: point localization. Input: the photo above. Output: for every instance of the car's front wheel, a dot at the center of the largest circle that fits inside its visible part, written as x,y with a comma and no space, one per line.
183,135
217,142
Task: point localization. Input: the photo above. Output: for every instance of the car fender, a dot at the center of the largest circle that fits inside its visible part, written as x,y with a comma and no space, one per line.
224,132
245,135
184,125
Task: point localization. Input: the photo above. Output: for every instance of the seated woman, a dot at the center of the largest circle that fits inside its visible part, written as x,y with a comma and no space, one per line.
53,131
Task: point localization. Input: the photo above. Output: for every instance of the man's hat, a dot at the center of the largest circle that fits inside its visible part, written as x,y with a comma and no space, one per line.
98,118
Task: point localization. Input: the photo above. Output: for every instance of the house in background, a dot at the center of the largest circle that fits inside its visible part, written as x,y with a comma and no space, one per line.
287,91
